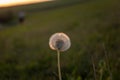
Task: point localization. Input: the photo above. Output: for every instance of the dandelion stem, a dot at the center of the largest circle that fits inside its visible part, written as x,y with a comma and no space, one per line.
59,69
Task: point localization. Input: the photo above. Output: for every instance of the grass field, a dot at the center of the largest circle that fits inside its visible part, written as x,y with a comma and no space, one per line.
25,53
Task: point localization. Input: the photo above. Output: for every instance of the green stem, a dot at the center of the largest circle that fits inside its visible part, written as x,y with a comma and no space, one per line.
101,74
107,61
94,70
59,69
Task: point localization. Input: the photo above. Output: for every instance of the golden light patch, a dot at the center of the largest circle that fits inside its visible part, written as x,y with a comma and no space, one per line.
7,3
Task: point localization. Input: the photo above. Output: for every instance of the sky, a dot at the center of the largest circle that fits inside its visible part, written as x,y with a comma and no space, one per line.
7,3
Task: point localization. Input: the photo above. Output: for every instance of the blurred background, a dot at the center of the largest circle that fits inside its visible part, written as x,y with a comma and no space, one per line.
92,25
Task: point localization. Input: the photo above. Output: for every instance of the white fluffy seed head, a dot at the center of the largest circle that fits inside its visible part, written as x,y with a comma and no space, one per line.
59,41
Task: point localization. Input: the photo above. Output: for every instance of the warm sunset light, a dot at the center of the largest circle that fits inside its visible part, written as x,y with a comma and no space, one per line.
7,3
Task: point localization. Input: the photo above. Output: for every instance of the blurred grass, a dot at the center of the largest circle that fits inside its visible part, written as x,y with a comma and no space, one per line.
24,50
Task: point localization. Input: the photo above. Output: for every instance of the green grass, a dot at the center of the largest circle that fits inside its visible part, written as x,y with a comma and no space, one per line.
24,48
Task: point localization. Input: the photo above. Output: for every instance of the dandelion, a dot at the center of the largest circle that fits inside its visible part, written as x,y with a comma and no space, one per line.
59,42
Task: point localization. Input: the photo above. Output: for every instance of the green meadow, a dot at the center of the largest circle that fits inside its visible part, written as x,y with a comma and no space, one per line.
93,27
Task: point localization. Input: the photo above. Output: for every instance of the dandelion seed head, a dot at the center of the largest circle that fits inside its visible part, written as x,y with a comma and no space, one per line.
59,41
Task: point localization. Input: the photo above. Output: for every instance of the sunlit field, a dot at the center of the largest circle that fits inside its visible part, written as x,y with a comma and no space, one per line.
8,3
93,27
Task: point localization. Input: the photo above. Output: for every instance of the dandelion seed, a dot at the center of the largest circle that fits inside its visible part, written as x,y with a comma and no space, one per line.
59,41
